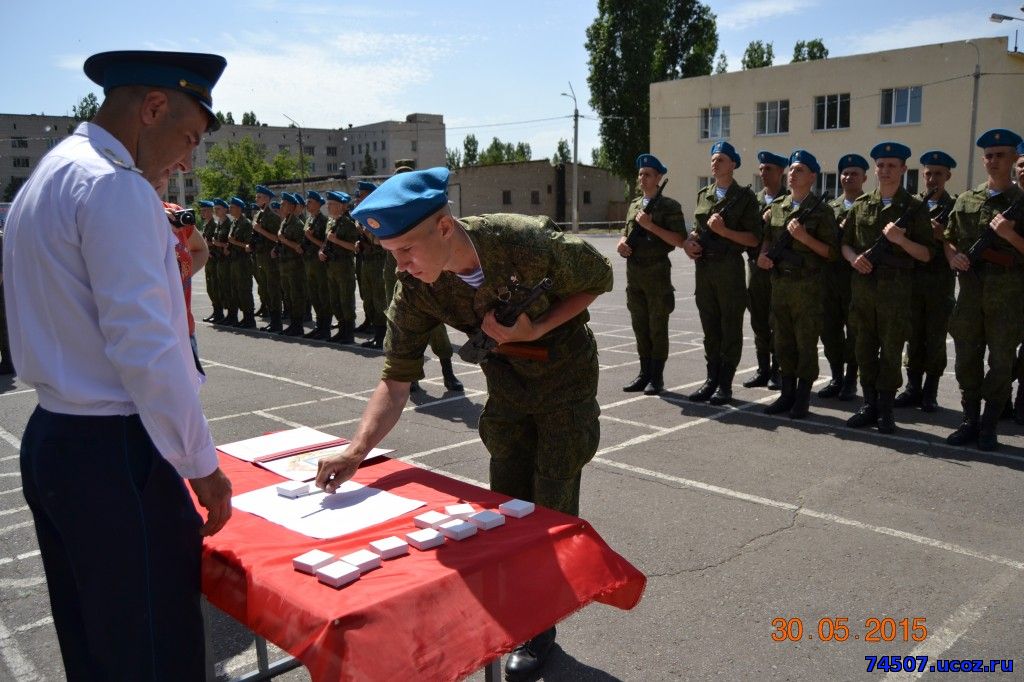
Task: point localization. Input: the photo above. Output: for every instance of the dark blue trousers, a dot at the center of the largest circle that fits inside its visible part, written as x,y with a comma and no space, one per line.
119,539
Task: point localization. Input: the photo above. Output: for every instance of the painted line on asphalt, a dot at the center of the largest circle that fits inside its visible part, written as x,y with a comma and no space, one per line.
22,583
630,422
12,490
10,438
293,382
276,418
19,392
10,529
15,510
18,557
28,627
21,668
443,448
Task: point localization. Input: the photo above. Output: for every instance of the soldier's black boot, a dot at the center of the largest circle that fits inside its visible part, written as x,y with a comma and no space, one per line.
451,382
323,328
987,440
775,377
294,327
911,395
849,390
835,384
414,387
1018,404
378,337
786,399
764,370
967,432
723,394
345,333
801,400
262,312
313,333
657,385
528,658
640,383
275,323
867,415
248,321
364,327
930,393
231,319
6,366
216,316
707,389
886,420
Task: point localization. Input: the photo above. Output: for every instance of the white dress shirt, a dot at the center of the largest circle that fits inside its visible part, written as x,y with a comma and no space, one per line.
94,300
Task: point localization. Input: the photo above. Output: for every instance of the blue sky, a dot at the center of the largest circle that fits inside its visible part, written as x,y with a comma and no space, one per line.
492,69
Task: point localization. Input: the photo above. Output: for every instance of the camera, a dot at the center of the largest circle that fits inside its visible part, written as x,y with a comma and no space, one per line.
182,218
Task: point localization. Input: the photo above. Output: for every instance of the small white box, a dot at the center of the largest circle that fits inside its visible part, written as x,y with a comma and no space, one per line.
425,539
431,519
460,511
457,529
294,489
312,560
390,548
337,574
487,519
516,508
364,560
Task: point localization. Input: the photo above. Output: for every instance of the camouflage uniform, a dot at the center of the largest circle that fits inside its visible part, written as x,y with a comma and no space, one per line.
440,344
241,270
540,423
341,272
268,277
316,276
759,301
371,287
224,285
293,274
650,296
837,332
213,264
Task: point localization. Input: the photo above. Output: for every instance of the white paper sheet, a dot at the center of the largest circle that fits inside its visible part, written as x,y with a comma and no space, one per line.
353,507
302,467
253,448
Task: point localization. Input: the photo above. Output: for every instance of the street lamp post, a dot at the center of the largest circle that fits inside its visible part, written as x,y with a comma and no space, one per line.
974,116
302,159
575,160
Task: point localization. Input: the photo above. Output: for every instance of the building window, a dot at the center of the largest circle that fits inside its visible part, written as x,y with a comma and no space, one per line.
309,150
910,181
535,197
828,182
52,142
382,147
414,145
360,148
353,148
332,167
20,161
19,143
506,197
772,118
714,123
312,167
586,196
549,189
702,182
832,112
374,145
189,183
332,151
901,106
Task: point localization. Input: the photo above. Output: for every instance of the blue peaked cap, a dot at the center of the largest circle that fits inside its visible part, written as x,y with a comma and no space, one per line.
403,201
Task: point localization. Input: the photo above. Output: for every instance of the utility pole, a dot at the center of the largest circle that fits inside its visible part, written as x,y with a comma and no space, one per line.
302,158
575,160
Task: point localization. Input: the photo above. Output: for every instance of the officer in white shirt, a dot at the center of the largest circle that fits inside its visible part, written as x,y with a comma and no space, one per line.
99,329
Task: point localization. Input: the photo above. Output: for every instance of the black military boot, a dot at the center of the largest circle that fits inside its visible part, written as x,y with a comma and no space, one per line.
786,399
451,382
294,328
364,328
657,385
835,384
775,377
324,330
414,387
764,370
529,657
216,316
378,337
313,333
640,382
967,432
707,389
723,395
1018,404
275,323
930,393
262,312
229,319
345,333
6,366
987,440
248,321
801,400
886,420
867,415
911,395
849,390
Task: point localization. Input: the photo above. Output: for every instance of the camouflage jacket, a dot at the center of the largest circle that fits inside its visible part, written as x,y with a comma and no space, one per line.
343,228
743,216
291,229
516,252
241,230
317,224
270,222
820,224
973,211
869,216
667,214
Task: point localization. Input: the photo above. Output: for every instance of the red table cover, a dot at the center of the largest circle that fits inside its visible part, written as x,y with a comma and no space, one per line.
436,615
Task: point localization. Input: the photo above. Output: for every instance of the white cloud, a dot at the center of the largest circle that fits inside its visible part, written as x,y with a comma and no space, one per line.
924,31
757,11
70,62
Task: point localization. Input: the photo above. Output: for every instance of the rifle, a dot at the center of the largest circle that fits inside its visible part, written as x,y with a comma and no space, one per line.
942,213
987,238
707,239
880,248
639,232
479,345
780,251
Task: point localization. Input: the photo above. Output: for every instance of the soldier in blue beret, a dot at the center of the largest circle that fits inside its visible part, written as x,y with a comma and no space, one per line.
370,261
316,269
220,202
540,422
883,254
728,221
338,253
222,248
771,168
290,264
266,224
241,266
649,291
265,191
209,230
987,316
363,188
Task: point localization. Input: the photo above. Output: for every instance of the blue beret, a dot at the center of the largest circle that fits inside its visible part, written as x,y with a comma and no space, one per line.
205,204
806,158
403,201
937,158
1020,148
854,160
723,147
275,204
890,150
650,161
335,195
220,202
193,73
773,159
260,189
365,186
291,198
999,137
315,196
240,203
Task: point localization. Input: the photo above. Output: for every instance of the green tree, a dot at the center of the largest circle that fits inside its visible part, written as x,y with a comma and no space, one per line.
369,166
12,188
470,151
722,65
805,51
522,152
86,108
496,152
562,153
599,159
757,55
236,167
453,158
225,119
249,119
631,45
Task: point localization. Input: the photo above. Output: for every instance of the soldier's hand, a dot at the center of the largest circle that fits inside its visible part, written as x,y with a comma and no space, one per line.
623,248
644,220
764,262
522,330
322,256
214,494
1002,226
960,262
766,216
894,234
297,249
692,248
717,224
797,230
862,265
938,230
248,248
332,471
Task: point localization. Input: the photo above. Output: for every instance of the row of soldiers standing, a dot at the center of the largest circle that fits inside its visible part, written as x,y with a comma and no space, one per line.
868,274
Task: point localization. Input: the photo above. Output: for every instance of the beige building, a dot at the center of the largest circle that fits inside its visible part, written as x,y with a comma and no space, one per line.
24,140
919,96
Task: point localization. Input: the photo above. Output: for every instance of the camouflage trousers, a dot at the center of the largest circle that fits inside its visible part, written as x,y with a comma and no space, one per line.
759,304
720,294
439,341
797,313
316,289
880,312
371,288
837,332
293,281
227,293
270,295
987,315
540,456
341,287
212,269
931,307
650,299
241,283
